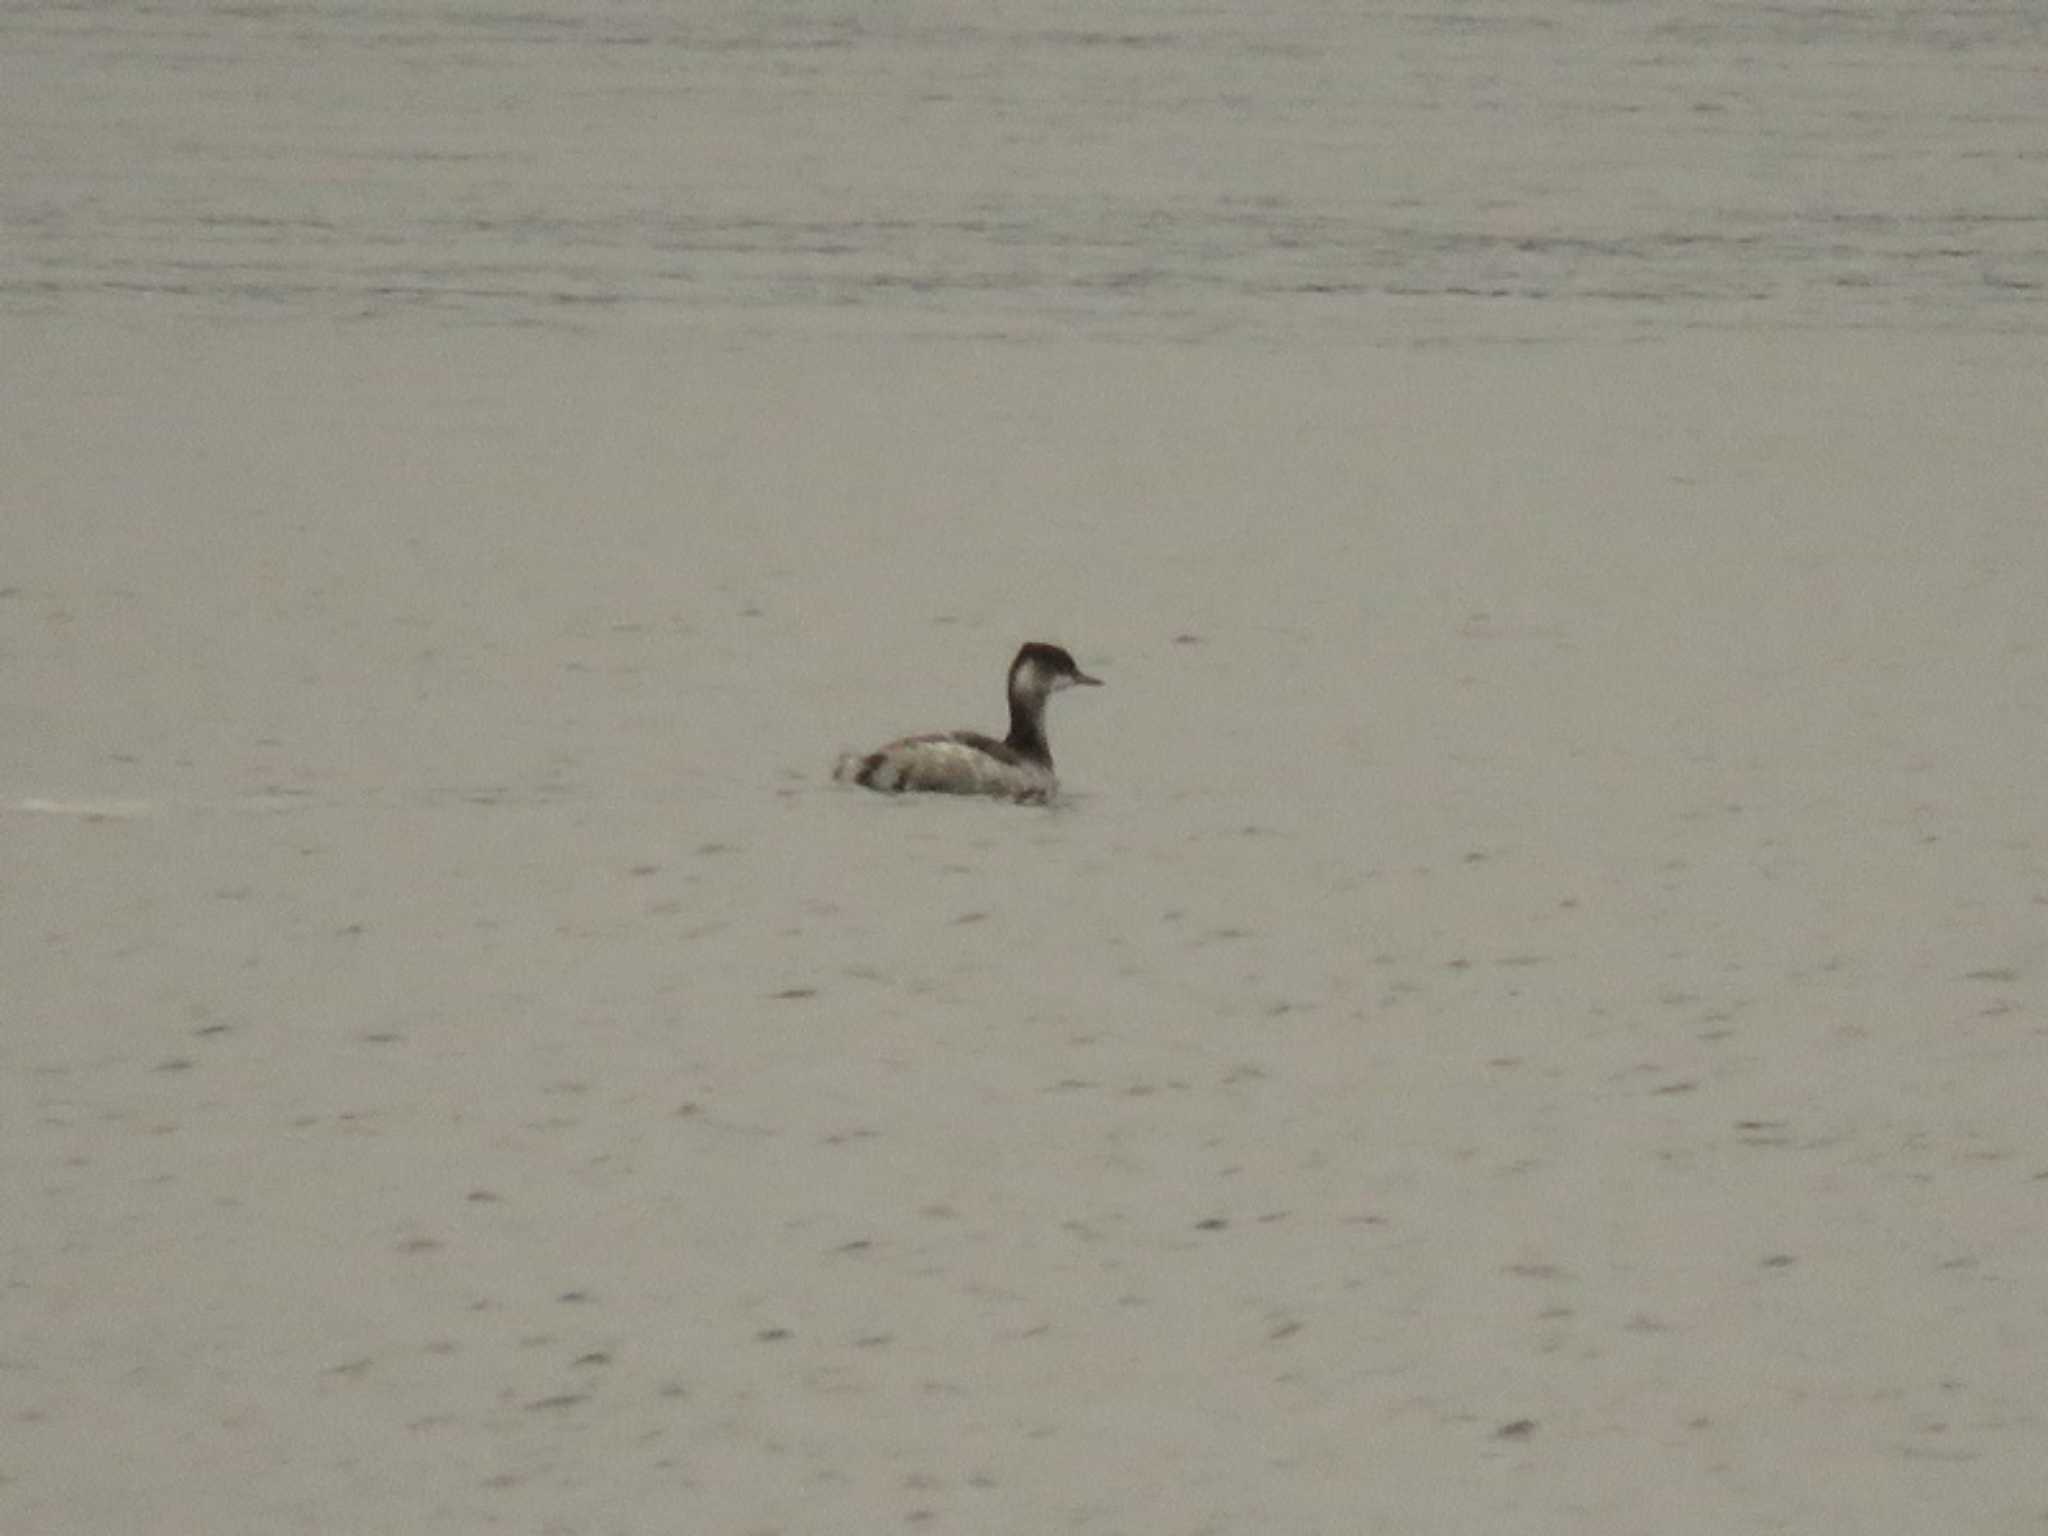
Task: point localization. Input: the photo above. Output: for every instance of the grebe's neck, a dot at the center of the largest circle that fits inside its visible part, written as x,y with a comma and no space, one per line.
1027,718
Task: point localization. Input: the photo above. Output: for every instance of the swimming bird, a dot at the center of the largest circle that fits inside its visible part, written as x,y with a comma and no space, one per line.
1019,767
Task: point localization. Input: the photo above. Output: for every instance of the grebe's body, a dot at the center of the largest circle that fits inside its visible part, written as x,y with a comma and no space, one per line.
1019,767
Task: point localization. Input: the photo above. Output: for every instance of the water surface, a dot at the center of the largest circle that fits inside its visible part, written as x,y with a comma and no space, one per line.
1157,168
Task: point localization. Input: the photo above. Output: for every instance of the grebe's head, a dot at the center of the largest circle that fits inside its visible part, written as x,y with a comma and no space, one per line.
1042,669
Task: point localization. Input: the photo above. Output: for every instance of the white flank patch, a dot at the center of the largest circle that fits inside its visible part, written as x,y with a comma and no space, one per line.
953,767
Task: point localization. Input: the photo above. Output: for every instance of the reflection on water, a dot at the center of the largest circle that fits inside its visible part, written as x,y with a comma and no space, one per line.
1162,168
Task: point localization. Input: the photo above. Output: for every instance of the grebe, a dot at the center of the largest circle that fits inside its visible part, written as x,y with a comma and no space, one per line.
1019,767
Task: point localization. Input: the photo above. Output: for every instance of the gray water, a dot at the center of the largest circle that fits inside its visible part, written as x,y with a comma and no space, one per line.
1133,168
